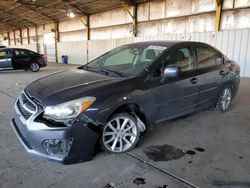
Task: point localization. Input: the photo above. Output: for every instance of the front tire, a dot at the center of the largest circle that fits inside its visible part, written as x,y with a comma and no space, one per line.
225,99
120,134
34,67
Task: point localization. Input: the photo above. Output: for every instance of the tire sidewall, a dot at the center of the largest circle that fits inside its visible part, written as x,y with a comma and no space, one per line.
132,118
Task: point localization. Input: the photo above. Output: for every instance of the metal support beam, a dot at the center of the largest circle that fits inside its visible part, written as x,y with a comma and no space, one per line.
132,15
88,29
14,37
219,4
135,21
37,44
57,31
8,35
56,26
28,35
86,24
21,36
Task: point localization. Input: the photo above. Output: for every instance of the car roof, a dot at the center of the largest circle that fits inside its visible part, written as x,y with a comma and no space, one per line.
166,43
14,49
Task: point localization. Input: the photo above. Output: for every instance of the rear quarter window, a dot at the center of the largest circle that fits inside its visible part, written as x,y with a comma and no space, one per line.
32,53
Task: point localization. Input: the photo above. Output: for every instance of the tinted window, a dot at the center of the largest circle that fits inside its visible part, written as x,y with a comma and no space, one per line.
20,53
181,57
32,53
207,57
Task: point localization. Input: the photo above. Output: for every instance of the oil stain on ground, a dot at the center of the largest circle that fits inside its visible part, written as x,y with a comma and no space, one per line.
139,181
163,153
167,152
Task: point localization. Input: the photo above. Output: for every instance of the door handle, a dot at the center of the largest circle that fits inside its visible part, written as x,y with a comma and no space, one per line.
194,80
222,72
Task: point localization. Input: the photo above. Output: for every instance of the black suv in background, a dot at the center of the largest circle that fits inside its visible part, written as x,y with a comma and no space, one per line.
119,95
17,58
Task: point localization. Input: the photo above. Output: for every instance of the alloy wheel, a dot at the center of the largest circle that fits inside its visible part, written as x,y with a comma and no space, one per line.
120,134
34,67
226,97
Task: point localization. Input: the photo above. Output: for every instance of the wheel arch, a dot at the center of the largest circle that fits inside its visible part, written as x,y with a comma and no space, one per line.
132,109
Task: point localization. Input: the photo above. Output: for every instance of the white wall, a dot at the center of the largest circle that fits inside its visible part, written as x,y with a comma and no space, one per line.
235,44
76,51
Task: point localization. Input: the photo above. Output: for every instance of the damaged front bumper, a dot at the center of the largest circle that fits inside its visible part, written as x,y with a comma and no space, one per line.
69,144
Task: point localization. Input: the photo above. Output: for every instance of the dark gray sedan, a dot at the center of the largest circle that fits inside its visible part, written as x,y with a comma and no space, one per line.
121,94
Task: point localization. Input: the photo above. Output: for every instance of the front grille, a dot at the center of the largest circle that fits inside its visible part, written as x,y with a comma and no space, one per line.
25,106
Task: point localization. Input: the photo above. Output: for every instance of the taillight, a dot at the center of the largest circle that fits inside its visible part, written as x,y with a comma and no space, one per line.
41,56
237,67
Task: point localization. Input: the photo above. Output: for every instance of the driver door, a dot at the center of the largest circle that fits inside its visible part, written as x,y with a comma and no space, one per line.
5,60
179,95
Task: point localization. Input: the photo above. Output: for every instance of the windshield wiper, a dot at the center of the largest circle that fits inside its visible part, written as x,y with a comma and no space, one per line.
109,71
101,70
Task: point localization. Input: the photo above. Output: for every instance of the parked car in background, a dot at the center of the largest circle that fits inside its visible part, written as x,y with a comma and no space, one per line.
17,58
120,95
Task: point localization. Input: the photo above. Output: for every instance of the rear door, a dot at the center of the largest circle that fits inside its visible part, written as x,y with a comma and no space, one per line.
210,69
178,96
21,58
5,60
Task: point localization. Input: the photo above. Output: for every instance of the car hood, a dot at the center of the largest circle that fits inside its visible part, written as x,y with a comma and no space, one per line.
67,85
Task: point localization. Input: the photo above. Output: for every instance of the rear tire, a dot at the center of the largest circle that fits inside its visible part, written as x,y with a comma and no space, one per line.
225,99
120,134
34,67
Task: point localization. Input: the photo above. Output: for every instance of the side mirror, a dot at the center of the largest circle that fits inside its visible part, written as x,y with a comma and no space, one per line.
171,71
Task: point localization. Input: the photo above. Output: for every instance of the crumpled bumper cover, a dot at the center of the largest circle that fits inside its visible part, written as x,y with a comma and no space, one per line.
83,140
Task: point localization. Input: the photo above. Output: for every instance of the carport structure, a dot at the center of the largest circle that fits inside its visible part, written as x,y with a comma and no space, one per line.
84,29
24,14
73,27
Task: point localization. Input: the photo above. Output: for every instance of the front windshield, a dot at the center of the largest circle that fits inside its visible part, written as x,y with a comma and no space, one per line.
128,60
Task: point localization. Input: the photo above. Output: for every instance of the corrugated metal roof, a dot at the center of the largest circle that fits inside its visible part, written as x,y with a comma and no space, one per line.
17,14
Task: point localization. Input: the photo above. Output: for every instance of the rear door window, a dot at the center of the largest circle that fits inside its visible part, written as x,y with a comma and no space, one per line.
207,57
20,53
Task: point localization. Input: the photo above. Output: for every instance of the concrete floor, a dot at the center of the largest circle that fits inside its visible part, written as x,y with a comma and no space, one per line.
224,137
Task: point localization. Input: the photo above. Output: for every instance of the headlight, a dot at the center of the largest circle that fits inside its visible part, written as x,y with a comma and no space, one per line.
69,109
